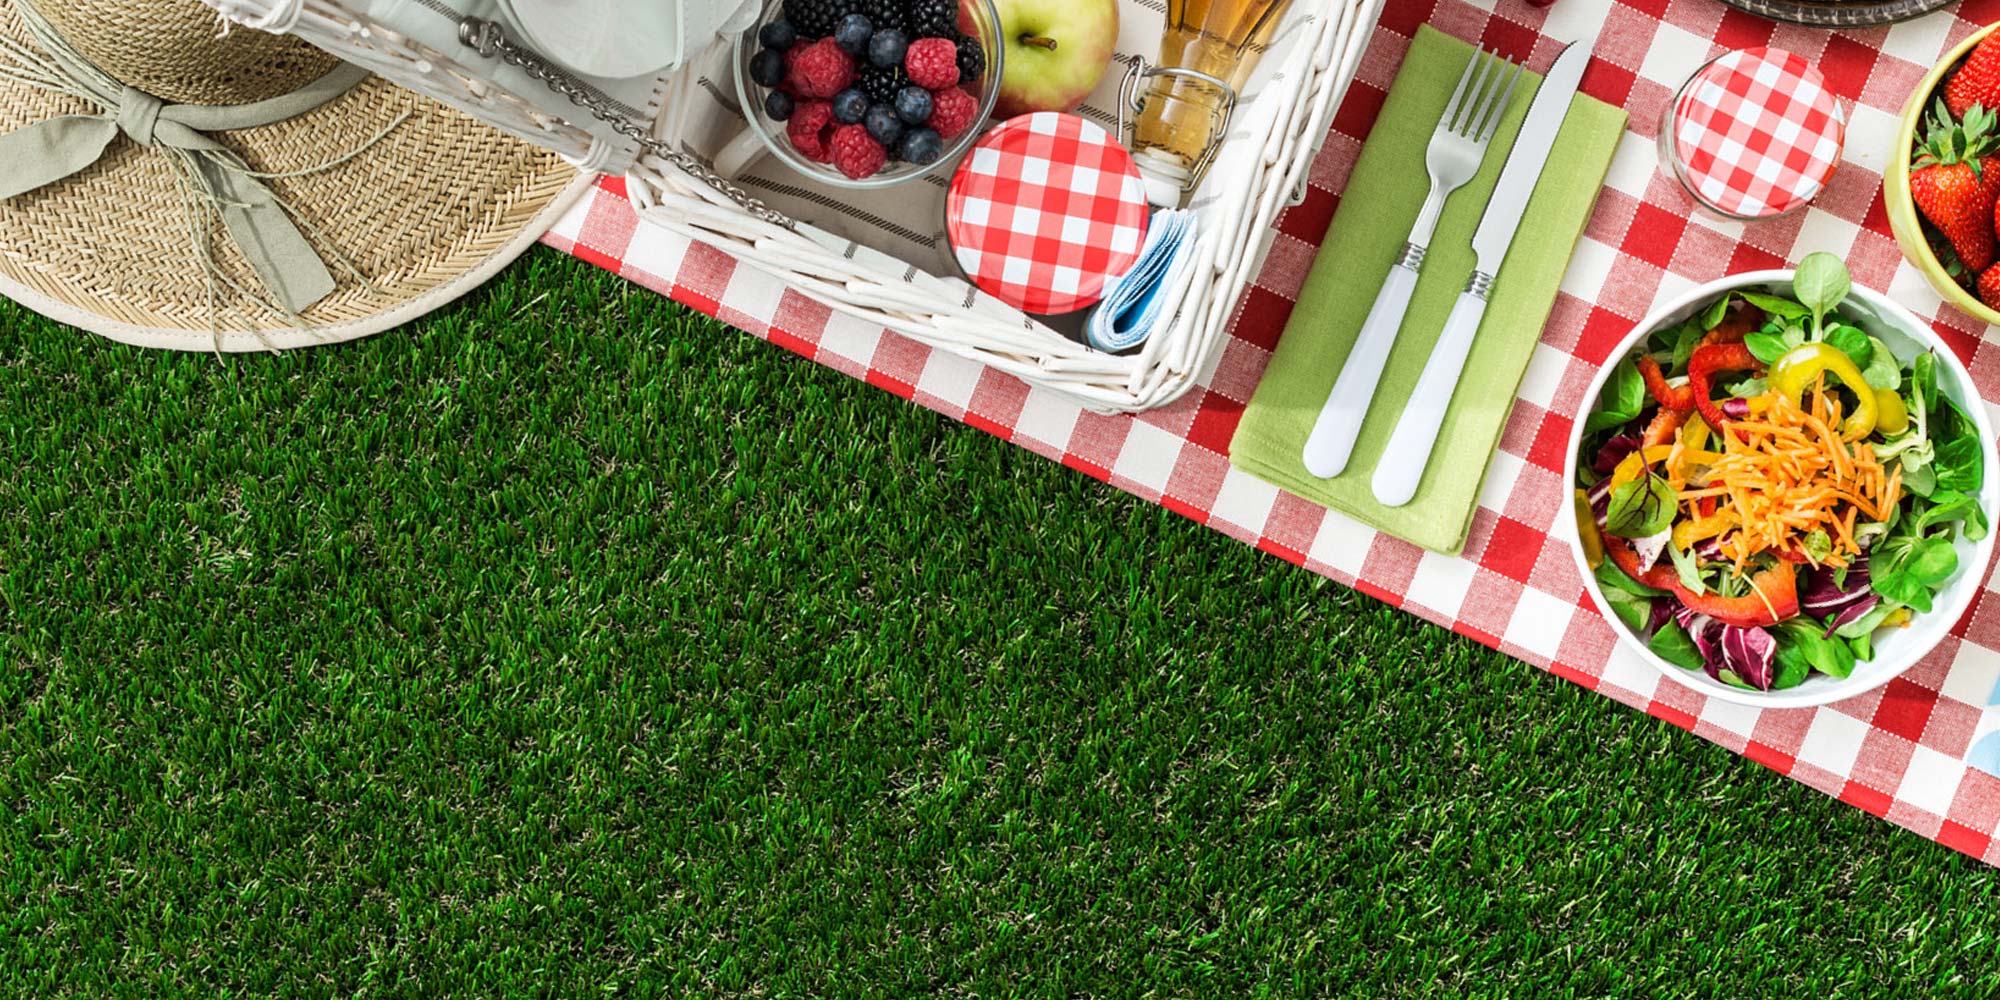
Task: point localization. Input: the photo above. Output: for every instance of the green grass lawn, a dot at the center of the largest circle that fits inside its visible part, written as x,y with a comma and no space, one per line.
570,644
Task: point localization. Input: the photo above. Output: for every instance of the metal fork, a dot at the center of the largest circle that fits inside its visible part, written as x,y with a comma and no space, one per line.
1457,148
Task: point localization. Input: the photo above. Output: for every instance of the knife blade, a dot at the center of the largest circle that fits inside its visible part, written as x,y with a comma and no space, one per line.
1527,159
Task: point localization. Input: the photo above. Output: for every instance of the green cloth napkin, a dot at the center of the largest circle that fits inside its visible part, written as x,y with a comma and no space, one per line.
1380,204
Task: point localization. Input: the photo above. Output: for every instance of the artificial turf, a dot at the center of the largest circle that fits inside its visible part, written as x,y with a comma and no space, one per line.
568,644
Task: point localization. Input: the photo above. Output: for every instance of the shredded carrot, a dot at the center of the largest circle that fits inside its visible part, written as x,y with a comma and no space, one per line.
1786,475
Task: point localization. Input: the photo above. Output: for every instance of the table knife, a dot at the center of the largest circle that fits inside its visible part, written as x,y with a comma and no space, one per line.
1409,449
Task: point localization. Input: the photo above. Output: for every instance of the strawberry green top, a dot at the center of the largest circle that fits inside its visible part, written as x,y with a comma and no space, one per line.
1756,133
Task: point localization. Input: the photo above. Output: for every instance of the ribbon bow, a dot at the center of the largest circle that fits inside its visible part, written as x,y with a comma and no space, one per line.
45,152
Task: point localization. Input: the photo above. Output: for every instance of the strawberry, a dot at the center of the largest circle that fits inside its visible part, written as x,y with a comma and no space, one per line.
1950,183
1989,286
1977,83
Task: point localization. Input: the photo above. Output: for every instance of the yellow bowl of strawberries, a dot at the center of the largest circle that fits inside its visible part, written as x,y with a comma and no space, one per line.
1940,185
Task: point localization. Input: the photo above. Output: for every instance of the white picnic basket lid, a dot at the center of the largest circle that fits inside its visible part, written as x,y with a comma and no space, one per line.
563,74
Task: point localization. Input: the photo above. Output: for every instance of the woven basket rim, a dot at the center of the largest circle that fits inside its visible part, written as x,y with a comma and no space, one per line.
1841,13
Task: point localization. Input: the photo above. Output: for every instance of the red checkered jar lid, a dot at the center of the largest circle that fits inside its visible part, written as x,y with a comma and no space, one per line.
1044,210
1755,133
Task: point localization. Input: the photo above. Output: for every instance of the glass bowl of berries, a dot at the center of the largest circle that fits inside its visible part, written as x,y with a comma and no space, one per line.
869,93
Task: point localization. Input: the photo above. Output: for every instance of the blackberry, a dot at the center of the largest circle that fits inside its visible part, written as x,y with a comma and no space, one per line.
881,83
815,18
883,13
971,59
934,18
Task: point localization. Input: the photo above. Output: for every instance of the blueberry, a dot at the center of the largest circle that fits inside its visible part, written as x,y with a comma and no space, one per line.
913,105
888,47
767,68
884,125
921,146
778,105
778,35
853,34
849,105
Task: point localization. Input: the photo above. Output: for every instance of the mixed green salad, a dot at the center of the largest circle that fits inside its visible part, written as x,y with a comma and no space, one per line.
1765,487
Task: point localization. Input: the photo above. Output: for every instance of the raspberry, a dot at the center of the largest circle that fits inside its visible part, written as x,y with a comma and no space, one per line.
952,111
808,129
932,63
821,69
856,153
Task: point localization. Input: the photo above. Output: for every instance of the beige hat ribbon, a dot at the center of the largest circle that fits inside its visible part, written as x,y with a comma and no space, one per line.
257,219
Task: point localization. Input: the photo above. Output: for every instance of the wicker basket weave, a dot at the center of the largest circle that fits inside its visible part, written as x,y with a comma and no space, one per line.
1286,110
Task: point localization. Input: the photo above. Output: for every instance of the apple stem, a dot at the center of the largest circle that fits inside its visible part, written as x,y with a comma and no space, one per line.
1039,42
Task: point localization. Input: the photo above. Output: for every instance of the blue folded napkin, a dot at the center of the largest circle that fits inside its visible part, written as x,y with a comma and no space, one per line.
1133,301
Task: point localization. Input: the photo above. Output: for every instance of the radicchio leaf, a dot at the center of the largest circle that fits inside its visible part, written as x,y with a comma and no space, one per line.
1842,600
1853,612
1749,653
1710,550
1736,408
1825,593
1702,629
1663,612
1614,452
1600,501
1649,548
1752,654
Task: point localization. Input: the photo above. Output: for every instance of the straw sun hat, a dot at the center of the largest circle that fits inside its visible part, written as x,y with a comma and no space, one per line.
168,184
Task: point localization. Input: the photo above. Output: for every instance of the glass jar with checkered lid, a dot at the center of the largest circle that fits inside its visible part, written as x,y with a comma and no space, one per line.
1044,211
1753,135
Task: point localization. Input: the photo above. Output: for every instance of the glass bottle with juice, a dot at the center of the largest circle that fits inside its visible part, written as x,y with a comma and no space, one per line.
1207,43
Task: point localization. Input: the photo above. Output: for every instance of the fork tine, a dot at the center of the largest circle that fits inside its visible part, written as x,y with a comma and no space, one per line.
1467,112
1476,118
1491,122
1451,106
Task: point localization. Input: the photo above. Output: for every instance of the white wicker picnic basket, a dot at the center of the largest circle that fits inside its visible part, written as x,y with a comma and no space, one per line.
879,257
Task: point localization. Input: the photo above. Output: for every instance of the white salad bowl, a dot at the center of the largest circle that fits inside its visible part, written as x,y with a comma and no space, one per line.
1896,650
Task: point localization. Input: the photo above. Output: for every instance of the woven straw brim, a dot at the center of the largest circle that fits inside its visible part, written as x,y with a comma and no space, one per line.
426,213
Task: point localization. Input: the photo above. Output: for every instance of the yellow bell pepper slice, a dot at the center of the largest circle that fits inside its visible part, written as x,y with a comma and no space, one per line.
1792,374
1586,529
1891,417
1694,434
1635,464
1686,533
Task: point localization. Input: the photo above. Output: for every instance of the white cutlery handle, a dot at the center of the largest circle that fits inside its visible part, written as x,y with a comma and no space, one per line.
1409,452
1339,423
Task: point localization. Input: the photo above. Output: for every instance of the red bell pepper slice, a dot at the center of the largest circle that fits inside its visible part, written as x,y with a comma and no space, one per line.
1664,394
1660,577
1735,326
1705,364
1661,430
1779,585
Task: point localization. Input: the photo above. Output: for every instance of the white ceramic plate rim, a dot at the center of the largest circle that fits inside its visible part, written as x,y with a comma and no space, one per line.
1955,598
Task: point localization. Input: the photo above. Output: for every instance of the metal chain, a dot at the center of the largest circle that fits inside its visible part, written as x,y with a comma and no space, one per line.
491,41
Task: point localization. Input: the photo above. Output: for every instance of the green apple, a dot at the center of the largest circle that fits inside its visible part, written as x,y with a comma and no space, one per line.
1056,51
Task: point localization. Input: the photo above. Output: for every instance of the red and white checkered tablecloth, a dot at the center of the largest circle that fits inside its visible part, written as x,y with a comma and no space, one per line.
1898,752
